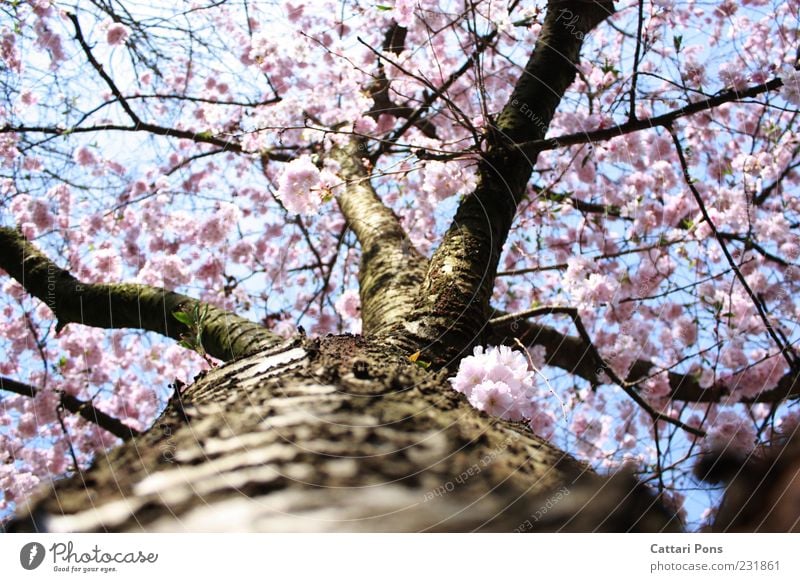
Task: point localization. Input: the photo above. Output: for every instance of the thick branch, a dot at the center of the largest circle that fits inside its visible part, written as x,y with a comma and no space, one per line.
85,409
453,308
394,40
125,305
573,355
391,268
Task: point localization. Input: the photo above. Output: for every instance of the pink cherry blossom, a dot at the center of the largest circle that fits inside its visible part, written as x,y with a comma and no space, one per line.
791,85
117,33
85,157
498,380
349,304
298,186
494,398
9,52
731,432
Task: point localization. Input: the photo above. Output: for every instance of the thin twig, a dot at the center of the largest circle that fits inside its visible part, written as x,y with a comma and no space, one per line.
636,57
546,381
457,111
101,71
85,409
72,454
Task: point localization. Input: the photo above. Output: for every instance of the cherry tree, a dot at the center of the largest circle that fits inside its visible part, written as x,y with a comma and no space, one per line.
413,265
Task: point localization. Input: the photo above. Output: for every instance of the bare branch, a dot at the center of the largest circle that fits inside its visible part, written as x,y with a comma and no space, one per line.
77,406
636,61
101,71
383,104
228,144
415,117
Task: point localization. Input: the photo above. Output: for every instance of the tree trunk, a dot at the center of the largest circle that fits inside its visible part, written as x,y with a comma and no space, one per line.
336,434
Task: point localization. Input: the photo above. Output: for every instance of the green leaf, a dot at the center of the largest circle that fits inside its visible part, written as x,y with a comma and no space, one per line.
383,7
609,68
182,317
677,40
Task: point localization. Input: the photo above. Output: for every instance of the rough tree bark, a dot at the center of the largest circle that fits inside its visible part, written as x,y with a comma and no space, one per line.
346,433
336,434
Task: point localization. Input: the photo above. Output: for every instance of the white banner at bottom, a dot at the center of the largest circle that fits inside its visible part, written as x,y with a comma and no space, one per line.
398,557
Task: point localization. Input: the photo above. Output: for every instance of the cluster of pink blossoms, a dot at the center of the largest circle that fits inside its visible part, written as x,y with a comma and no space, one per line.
791,85
116,33
498,381
348,306
302,187
443,180
731,432
295,186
